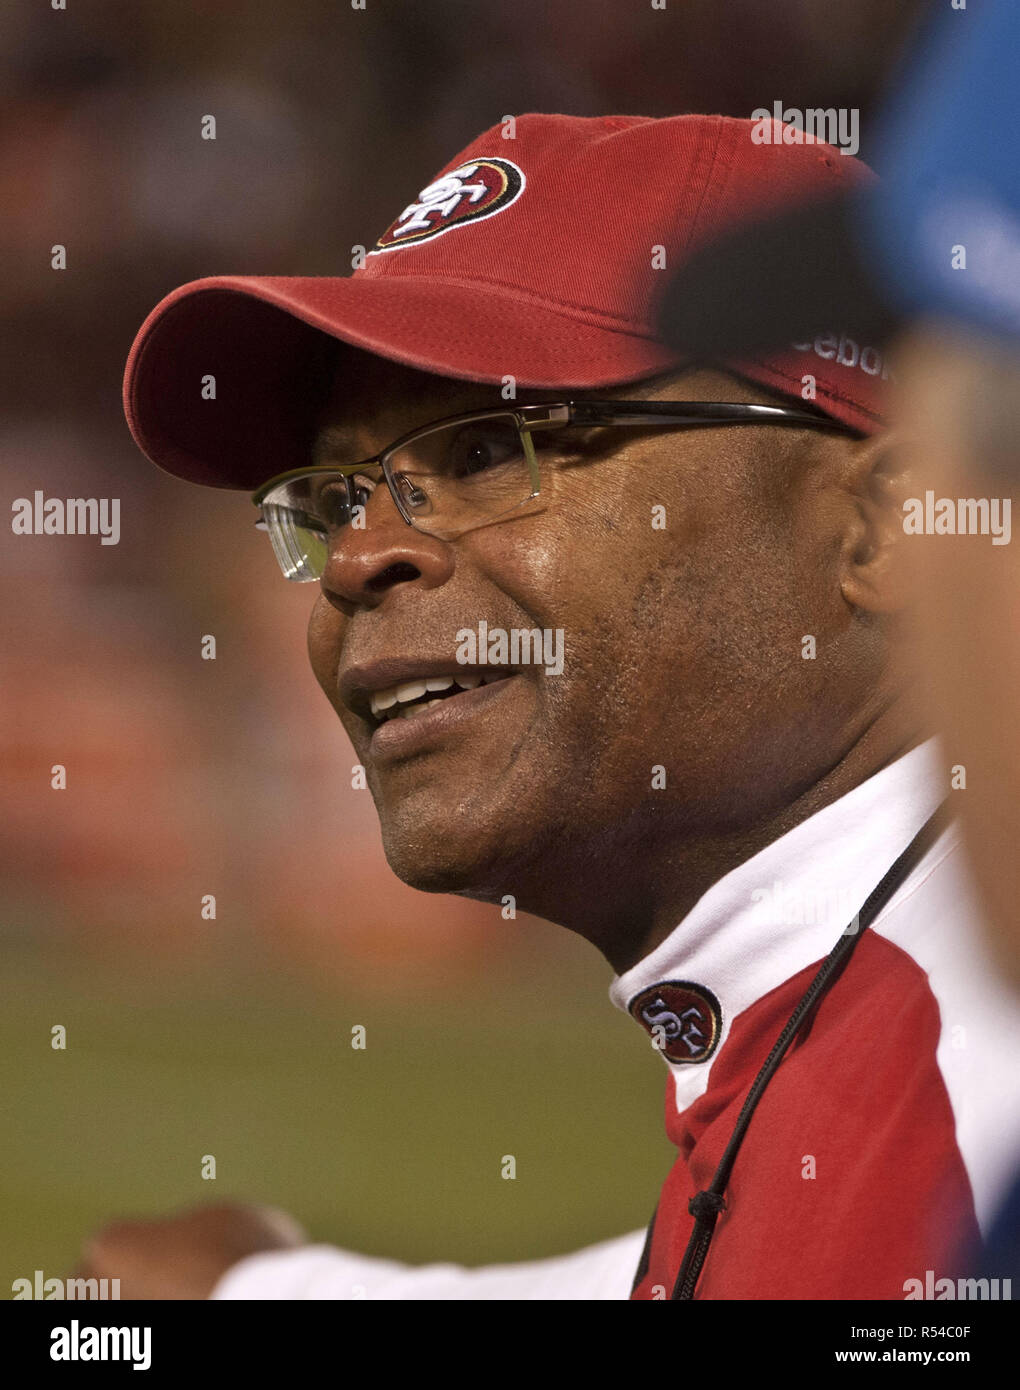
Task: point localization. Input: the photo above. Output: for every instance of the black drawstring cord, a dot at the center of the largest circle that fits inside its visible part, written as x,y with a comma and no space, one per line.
706,1206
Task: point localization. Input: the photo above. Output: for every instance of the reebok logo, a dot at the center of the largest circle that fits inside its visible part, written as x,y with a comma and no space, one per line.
845,352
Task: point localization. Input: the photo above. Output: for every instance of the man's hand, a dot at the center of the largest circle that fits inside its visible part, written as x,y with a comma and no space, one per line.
184,1256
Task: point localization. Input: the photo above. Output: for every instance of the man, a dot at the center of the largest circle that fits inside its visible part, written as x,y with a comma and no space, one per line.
724,784
925,264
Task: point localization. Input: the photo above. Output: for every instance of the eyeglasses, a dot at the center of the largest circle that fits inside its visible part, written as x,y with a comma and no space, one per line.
467,471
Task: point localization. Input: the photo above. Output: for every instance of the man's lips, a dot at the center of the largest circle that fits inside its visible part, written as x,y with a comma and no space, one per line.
378,691
401,737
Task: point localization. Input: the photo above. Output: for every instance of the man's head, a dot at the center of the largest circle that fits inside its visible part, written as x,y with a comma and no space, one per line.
718,591
720,594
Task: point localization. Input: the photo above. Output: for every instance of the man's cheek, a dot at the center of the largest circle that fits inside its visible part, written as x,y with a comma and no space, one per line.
324,642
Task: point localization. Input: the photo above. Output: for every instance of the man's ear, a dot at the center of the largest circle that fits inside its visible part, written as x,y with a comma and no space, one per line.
877,478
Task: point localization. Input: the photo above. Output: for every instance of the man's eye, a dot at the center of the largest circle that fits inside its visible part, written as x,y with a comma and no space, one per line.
473,450
362,487
332,505
333,502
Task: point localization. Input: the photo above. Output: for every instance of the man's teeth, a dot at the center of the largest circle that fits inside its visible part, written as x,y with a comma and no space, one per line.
386,704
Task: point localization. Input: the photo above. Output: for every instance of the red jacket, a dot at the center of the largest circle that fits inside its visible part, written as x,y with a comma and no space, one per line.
892,1117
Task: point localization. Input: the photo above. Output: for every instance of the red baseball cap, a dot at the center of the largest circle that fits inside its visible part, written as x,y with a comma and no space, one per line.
540,253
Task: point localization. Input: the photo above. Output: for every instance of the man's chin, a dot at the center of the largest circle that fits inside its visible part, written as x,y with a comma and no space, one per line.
446,866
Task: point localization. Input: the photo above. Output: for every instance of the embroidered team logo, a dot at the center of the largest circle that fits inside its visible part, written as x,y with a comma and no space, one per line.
466,194
683,1020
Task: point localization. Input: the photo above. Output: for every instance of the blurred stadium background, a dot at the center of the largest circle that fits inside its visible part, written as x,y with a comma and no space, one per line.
186,777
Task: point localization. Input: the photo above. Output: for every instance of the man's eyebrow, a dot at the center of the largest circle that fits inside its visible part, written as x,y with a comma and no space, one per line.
335,444
340,443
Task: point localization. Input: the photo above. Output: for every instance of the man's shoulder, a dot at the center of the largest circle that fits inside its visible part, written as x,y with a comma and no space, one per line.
933,930
933,1000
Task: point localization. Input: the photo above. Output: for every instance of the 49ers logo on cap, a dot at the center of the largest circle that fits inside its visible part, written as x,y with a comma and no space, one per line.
683,1020
466,194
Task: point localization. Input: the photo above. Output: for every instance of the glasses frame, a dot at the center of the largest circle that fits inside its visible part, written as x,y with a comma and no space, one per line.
559,414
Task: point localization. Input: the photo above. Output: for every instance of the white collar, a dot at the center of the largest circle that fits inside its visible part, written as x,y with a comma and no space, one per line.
784,908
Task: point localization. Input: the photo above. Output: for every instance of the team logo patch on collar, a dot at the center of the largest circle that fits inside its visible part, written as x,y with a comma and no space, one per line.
683,1020
466,194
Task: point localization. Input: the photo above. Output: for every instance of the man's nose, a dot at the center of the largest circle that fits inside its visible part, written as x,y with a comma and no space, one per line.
366,562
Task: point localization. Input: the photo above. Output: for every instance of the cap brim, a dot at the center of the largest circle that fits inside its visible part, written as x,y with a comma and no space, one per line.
778,281
226,376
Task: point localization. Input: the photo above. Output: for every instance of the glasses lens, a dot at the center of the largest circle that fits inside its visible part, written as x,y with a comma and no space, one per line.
300,546
303,514
456,476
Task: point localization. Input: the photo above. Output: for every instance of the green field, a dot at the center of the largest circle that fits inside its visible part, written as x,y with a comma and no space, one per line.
394,1150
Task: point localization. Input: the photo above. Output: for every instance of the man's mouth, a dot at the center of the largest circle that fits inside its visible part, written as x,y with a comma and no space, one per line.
408,703
411,698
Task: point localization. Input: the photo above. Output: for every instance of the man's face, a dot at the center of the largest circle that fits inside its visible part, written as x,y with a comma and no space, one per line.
683,573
